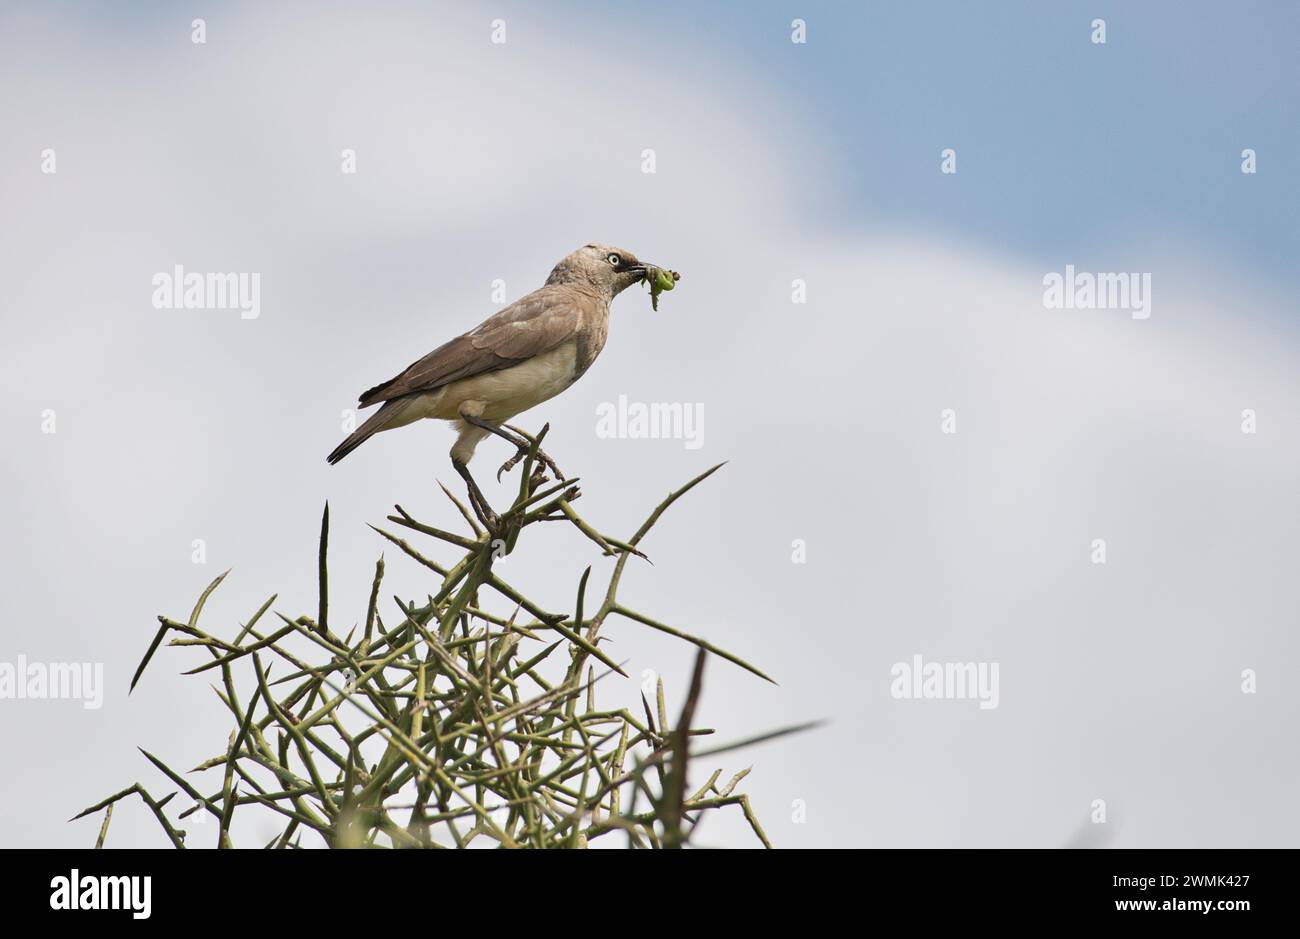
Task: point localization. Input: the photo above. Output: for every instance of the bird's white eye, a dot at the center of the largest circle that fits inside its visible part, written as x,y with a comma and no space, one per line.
615,260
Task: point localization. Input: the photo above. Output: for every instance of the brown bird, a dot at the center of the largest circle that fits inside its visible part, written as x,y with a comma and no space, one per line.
517,358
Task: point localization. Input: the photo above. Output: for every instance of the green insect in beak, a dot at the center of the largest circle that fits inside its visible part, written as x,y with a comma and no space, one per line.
659,281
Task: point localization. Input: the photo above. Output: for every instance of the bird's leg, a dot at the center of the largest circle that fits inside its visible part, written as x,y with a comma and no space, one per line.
520,443
478,502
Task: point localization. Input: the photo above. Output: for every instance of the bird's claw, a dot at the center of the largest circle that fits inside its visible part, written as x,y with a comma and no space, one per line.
511,463
544,462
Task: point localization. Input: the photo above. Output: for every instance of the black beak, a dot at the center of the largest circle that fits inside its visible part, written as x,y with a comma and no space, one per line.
641,267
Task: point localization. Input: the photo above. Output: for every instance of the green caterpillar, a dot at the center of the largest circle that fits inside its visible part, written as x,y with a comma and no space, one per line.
659,281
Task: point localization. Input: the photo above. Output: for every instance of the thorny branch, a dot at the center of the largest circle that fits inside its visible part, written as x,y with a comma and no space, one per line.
444,728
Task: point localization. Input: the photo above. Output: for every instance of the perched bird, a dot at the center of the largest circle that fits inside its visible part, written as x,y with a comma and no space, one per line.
528,352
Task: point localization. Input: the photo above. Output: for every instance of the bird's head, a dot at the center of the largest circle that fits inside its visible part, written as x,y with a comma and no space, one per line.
607,270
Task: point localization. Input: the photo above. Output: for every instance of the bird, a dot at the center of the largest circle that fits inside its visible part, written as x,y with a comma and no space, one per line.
522,355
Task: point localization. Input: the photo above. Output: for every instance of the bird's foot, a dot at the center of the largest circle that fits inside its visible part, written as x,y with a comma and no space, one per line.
525,441
511,463
544,462
550,464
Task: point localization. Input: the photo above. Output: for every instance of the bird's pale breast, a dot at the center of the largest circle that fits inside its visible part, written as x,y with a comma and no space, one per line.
509,391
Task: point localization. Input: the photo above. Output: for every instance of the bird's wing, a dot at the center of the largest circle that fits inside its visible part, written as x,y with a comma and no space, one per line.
534,324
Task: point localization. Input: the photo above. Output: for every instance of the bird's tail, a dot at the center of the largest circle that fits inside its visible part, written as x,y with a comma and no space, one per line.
387,416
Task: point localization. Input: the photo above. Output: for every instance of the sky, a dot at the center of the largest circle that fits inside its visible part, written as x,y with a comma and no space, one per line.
921,455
